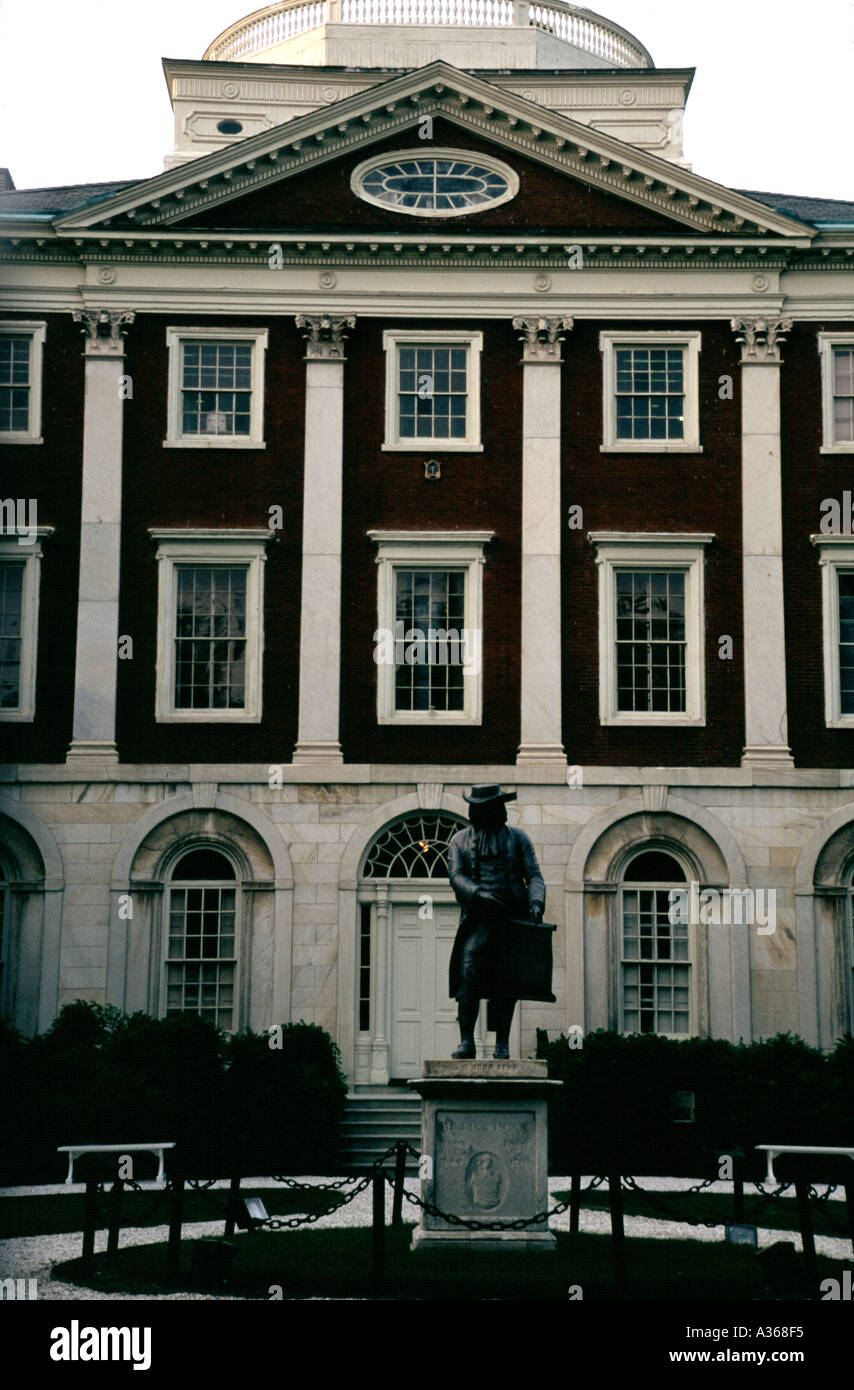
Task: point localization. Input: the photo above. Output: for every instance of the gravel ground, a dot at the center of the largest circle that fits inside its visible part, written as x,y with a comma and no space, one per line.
32,1257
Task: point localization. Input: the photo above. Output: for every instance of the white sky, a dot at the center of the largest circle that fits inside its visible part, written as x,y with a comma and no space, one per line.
83,99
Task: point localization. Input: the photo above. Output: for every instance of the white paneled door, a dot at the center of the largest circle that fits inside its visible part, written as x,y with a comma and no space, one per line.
423,1017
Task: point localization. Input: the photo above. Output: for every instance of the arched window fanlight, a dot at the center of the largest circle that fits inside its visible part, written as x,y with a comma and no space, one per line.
654,866
415,846
203,864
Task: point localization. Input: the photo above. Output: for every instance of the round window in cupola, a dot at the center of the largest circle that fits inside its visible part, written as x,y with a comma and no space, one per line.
438,183
229,127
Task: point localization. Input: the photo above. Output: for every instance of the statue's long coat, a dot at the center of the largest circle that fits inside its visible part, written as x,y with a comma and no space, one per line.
523,876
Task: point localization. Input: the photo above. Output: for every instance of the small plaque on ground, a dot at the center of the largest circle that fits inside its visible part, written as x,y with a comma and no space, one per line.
486,1069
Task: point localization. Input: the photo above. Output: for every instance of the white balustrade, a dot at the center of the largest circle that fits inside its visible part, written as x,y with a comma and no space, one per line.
284,21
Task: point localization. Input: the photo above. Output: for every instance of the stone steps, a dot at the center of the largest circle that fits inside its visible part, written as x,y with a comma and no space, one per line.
373,1119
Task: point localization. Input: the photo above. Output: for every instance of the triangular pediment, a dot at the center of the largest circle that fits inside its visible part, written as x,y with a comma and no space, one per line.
592,160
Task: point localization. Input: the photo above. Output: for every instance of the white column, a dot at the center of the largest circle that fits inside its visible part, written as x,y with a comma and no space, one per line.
320,617
541,537
766,723
94,728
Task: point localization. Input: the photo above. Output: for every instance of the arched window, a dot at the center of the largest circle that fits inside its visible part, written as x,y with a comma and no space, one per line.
655,981
415,846
4,933
201,945
846,955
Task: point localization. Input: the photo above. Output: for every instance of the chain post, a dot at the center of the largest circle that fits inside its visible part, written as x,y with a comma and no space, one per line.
378,1232
618,1233
399,1180
90,1216
115,1220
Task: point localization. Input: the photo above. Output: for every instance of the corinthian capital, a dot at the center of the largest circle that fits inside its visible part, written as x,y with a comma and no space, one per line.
104,329
324,334
761,338
541,337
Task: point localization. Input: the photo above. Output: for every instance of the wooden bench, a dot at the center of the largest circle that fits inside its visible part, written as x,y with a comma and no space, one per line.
75,1150
774,1150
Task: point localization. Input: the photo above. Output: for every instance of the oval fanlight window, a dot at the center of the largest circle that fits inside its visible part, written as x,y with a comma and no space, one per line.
443,183
229,127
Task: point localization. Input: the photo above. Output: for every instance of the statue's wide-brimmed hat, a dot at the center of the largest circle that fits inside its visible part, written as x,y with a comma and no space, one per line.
487,792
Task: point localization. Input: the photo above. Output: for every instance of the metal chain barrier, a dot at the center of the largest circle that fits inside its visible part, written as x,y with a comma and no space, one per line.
274,1223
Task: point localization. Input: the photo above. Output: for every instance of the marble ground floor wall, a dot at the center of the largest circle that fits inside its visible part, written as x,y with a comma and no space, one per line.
335,907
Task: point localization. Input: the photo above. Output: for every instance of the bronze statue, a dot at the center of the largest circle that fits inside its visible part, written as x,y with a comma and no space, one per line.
496,878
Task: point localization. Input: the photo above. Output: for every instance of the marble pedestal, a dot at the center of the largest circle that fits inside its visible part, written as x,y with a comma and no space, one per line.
484,1141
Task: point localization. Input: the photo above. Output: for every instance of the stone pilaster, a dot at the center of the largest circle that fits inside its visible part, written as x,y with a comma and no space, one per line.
541,712
320,619
766,724
94,728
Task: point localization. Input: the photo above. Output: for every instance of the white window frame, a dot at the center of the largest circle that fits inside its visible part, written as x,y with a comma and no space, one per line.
652,550
175,339
430,550
171,884
36,331
835,553
692,343
209,548
826,343
633,885
357,179
393,341
19,548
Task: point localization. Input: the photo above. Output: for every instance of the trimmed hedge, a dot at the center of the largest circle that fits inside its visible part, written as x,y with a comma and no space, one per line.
101,1076
618,1102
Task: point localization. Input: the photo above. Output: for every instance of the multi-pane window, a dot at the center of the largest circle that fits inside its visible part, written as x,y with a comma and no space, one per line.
655,986
14,383
836,351
210,637
651,640
843,395
21,350
210,625
429,639
650,393
216,389
445,183
432,390
651,627
11,632
430,650
201,948
20,574
846,641
4,931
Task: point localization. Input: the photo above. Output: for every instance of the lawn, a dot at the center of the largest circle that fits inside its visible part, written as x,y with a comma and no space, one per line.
51,1214
337,1264
829,1219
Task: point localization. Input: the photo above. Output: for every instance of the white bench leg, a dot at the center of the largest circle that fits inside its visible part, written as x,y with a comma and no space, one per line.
70,1177
769,1177
161,1176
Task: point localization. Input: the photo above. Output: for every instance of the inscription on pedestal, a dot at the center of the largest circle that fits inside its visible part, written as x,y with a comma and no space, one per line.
484,1163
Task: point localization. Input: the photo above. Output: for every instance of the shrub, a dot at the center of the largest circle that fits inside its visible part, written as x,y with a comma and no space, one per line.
617,1104
101,1076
